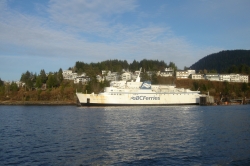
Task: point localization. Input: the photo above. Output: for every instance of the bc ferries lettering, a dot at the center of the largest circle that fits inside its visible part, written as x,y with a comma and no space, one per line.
144,98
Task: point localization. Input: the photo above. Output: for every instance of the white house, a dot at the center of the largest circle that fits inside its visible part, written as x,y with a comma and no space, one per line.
69,75
182,74
244,78
20,84
112,77
66,72
83,79
99,78
212,77
105,72
126,76
197,76
168,72
191,71
225,77
235,77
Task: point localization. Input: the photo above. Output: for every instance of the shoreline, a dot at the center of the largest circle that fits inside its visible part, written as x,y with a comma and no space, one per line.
41,103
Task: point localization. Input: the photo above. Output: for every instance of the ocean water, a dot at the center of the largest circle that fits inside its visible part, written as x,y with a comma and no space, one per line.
173,135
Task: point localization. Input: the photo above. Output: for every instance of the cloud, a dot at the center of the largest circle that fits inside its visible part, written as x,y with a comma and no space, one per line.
91,31
89,16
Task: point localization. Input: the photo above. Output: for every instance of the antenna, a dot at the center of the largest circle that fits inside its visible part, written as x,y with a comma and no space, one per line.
138,79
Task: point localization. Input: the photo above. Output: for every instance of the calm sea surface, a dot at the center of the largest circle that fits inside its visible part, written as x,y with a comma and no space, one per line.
175,135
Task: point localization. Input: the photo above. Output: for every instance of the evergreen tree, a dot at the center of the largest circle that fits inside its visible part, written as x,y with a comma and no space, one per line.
43,76
2,87
28,79
39,82
60,76
13,87
51,82
1,82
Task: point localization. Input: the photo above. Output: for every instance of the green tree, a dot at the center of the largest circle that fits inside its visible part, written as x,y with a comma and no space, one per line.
244,88
244,69
13,87
154,79
134,66
233,69
1,82
39,81
51,82
173,66
28,78
226,87
213,71
145,77
43,76
60,76
2,87
195,85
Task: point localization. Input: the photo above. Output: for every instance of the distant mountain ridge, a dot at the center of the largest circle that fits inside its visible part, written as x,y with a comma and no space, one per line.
223,60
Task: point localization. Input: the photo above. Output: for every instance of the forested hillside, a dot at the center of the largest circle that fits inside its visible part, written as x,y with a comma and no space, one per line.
92,69
225,61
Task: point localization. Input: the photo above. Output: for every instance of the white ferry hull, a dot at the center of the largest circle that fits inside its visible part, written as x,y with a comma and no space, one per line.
139,99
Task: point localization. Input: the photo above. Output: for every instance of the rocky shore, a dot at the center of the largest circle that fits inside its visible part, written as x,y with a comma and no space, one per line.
11,102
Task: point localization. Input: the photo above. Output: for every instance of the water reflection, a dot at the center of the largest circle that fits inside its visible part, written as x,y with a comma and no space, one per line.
141,133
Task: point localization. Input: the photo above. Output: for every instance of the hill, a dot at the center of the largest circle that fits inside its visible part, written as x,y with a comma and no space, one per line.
222,61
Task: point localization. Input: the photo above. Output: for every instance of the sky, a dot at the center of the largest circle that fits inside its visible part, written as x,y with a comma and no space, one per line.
54,34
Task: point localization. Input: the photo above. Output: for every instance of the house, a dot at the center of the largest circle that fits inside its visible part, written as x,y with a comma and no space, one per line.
126,76
99,78
150,73
67,72
182,74
105,72
225,77
191,71
168,72
244,78
68,75
234,77
20,84
212,77
197,76
83,79
112,76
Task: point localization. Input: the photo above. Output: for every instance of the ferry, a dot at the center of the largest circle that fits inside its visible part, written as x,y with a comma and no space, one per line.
133,93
